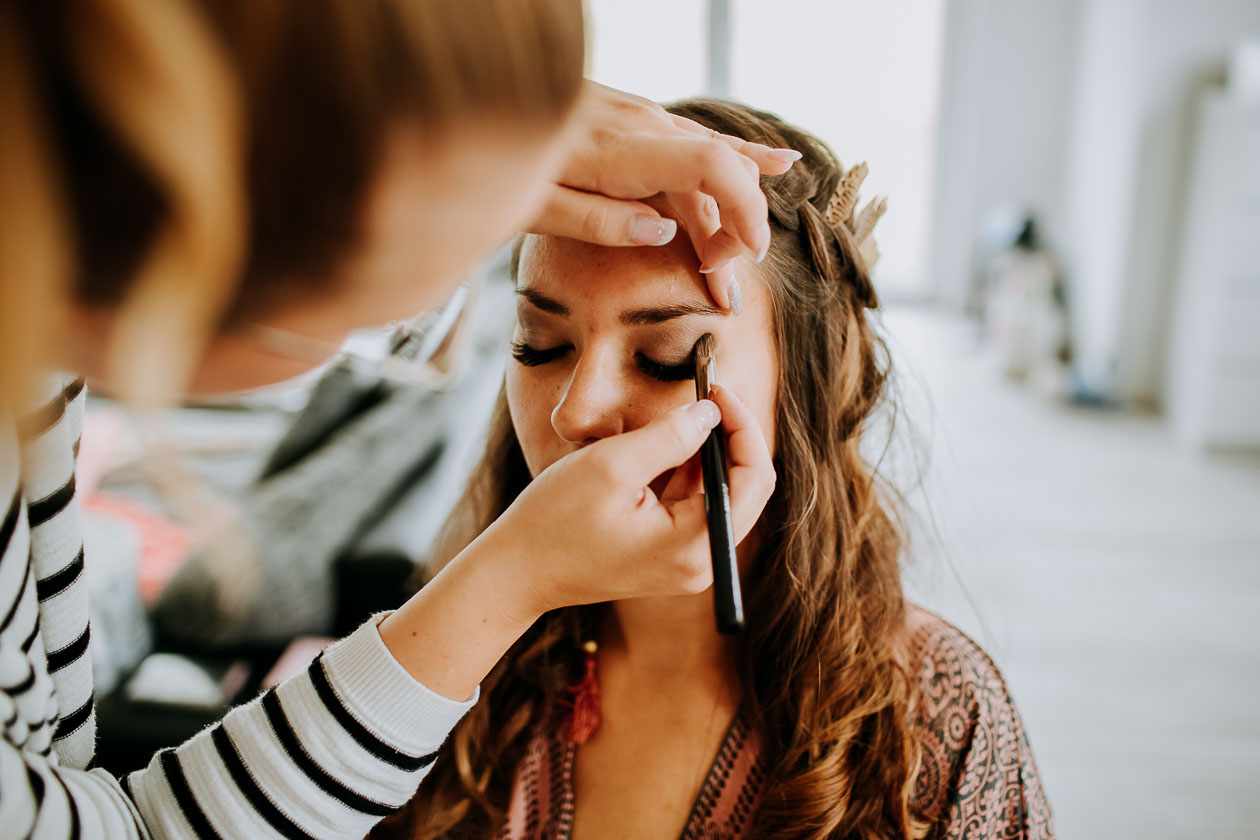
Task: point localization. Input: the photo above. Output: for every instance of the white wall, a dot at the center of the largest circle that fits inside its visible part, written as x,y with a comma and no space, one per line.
1142,65
860,74
1083,111
863,75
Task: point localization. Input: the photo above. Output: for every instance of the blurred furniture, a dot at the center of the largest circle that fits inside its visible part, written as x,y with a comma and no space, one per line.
1214,363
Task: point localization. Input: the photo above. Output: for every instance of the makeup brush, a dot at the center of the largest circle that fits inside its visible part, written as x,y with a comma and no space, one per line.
717,502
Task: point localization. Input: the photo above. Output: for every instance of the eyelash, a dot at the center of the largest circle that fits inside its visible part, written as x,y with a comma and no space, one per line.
665,373
533,357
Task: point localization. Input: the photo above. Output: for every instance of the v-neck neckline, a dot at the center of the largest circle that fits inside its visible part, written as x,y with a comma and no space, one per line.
568,792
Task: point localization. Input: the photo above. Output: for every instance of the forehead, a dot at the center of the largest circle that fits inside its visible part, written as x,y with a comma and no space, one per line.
589,275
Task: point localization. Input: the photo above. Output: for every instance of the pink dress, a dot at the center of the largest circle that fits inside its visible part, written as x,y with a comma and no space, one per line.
977,780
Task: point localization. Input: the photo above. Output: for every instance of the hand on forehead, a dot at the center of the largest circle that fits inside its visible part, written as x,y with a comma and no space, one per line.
613,306
579,268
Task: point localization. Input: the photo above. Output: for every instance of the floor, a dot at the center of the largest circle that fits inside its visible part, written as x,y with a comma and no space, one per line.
1113,574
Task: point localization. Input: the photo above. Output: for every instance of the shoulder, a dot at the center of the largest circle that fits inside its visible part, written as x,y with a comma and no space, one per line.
977,776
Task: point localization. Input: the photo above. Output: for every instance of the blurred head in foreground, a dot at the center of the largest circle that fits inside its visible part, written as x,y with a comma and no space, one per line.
175,170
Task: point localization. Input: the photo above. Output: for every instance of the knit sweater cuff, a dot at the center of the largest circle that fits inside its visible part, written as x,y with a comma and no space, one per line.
385,698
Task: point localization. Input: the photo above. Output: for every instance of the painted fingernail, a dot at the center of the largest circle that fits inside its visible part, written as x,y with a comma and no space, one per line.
737,297
705,413
764,236
652,230
784,155
709,269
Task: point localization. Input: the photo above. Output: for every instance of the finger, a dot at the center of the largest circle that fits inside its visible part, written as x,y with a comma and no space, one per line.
684,483
687,163
724,288
720,249
699,217
718,258
769,160
601,220
750,468
683,532
635,458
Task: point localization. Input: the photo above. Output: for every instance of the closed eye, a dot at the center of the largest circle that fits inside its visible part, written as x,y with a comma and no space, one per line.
533,357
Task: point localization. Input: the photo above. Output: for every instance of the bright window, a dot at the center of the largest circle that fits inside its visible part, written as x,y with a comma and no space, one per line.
860,74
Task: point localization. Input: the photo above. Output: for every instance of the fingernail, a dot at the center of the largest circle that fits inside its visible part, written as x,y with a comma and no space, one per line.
784,155
706,414
652,230
737,297
709,269
764,236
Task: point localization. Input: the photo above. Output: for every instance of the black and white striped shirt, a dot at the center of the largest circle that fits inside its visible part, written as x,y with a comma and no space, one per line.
325,754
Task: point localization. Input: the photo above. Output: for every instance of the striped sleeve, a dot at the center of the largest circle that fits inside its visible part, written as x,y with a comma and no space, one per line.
49,443
328,753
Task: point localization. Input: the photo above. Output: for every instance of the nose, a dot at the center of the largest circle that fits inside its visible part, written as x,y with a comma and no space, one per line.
593,405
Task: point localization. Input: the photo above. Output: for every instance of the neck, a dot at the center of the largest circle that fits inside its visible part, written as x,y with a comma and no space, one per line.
668,635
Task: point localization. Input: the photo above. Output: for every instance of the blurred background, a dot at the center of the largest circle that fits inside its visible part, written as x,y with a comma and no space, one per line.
1071,274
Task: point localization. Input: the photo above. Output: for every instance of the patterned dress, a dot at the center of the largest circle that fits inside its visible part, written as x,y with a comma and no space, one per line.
977,781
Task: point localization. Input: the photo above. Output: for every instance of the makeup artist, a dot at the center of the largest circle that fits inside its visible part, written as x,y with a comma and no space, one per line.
174,175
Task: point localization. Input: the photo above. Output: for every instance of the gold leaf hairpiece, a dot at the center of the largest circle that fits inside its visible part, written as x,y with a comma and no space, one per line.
841,207
865,223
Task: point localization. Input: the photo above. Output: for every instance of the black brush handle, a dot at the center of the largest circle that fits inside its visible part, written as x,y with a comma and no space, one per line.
727,600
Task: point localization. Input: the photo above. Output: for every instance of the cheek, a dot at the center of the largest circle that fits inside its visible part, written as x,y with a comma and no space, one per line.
530,403
749,360
756,385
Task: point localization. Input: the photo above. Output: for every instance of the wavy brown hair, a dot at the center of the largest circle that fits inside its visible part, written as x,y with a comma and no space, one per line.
818,662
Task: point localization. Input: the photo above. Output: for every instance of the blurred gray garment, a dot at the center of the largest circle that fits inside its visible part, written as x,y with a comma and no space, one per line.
121,635
300,520
367,467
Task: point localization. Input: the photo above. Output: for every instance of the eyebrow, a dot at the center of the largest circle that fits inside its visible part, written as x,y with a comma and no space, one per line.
631,317
546,304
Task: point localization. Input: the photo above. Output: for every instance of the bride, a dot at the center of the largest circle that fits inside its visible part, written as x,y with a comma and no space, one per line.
842,710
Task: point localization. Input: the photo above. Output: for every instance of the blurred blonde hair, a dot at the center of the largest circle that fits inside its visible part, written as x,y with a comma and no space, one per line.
181,162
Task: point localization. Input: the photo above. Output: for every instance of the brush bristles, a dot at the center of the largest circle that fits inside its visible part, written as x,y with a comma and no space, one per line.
705,368
704,348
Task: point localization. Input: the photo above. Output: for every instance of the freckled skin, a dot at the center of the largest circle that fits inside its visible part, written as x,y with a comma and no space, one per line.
596,389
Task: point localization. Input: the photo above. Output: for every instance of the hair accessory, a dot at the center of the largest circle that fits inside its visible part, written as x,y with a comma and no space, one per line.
841,207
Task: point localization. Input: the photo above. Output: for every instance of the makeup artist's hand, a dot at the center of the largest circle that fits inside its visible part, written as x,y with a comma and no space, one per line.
593,530
587,529
627,148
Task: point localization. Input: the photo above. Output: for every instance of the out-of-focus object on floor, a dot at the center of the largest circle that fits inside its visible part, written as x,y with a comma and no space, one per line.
1025,311
1214,364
